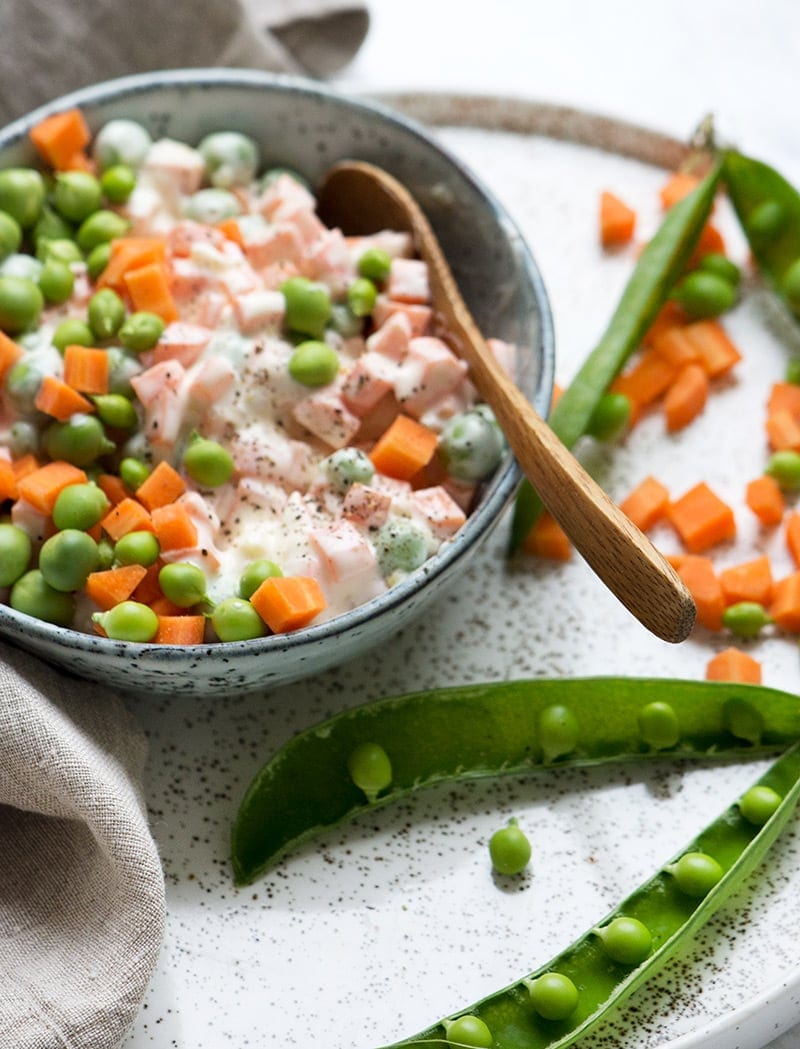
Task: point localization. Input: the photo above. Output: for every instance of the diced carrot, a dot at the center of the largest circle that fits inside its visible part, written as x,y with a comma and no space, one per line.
232,230
113,585
617,220
751,581
686,397
288,602
42,487
784,396
645,382
163,485
674,346
58,137
646,504
765,499
701,581
128,515
129,253
86,369
793,536
58,399
180,630
701,519
734,665
162,606
80,161
679,185
785,605
10,352
149,590
174,528
148,287
404,448
710,242
556,397
8,481
715,350
548,539
113,488
783,431
25,465
670,316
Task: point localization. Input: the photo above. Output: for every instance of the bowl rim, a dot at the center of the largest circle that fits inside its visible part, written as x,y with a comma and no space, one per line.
502,488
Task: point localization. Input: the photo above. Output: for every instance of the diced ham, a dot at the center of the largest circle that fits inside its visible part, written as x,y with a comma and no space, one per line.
265,247
366,506
328,260
182,341
396,244
272,456
210,379
368,380
165,415
148,384
408,281
392,338
33,522
264,494
274,275
450,404
211,309
325,415
187,233
284,193
344,551
443,515
258,309
418,316
174,165
505,353
188,280
429,371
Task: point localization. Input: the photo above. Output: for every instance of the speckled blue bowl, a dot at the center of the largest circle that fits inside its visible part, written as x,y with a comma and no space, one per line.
308,127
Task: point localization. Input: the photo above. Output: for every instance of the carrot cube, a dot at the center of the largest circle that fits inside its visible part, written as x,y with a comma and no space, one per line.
765,499
734,665
126,516
404,449
8,481
10,352
679,185
715,351
58,399
701,519
43,486
686,397
783,431
180,630
548,539
784,396
785,606
793,536
58,137
174,528
114,585
149,289
751,581
645,382
86,369
617,220
288,602
164,485
701,581
646,504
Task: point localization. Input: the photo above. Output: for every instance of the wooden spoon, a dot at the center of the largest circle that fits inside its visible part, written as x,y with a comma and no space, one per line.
360,198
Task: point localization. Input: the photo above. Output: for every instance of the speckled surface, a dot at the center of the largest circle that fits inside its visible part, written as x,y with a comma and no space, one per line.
380,928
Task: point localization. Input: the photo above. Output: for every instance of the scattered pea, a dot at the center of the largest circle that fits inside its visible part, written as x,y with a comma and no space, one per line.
121,141
140,331
610,418
361,297
122,366
553,995
183,583
722,266
23,438
60,249
80,440
658,725
314,363
72,332
137,548
26,267
235,619
375,264
370,769
128,621
116,410
627,941
704,294
15,553
696,873
207,462
35,597
56,281
48,227
99,228
470,447
117,183
21,303
308,306
105,553
67,558
255,574
80,506
133,472
510,849
347,466
558,731
401,545
97,259
470,1031
10,235
759,804
77,195
746,618
784,467
22,194
742,720
106,312
766,222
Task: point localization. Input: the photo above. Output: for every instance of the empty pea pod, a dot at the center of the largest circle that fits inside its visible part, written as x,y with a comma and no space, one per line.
631,944
493,729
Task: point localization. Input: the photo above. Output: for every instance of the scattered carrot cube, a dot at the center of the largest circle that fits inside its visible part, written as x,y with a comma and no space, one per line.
617,220
785,606
701,581
784,396
674,345
701,519
793,536
710,242
783,431
288,602
8,481
679,185
645,382
734,665
548,539
686,397
765,499
646,504
751,581
715,351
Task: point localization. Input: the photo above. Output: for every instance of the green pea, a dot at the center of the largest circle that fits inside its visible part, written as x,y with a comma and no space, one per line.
784,467
67,558
21,303
133,472
231,158
468,1030
15,553
116,411
183,584
370,769
35,597
141,331
696,873
509,849
22,194
22,385
23,438
105,553
470,446
745,618
765,222
207,462
121,141
97,259
56,281
99,228
610,418
627,941
80,440
10,235
344,321
759,804
790,285
361,297
117,183
658,725
375,263
558,731
23,266
72,332
128,621
270,177
255,574
742,720
793,371
308,306
347,466
61,249
314,364
704,294
722,266
80,506
77,195
106,312
48,227
401,545
553,995
137,548
121,369
212,205
235,619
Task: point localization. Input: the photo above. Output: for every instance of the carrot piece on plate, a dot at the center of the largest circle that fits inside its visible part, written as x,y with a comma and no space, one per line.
617,220
701,519
697,572
751,581
646,504
734,665
686,397
548,539
765,499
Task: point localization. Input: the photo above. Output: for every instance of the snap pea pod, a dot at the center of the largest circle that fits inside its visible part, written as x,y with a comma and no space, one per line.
492,729
768,209
660,265
668,913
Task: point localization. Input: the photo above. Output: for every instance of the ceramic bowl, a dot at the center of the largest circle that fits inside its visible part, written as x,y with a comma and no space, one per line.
308,127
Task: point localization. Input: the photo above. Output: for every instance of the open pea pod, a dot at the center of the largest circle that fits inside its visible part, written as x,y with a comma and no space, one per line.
768,209
668,914
494,729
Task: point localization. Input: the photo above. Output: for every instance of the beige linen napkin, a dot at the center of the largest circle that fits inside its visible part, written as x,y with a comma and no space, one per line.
81,886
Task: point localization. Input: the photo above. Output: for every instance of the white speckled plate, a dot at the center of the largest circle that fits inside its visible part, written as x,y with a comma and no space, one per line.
382,927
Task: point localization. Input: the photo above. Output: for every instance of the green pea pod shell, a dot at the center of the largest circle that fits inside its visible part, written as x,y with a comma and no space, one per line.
492,729
672,918
660,265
